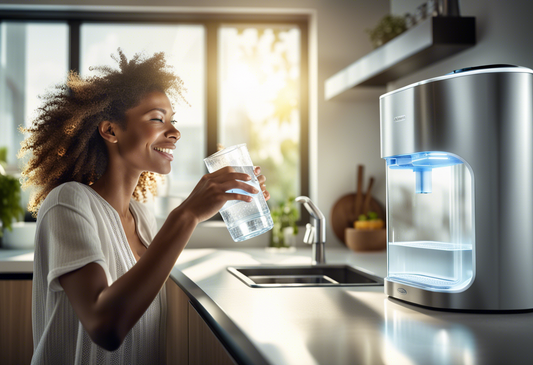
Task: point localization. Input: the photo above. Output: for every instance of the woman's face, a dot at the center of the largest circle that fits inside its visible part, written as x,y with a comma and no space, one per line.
148,142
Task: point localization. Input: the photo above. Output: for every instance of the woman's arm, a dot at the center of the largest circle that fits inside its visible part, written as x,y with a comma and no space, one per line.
109,312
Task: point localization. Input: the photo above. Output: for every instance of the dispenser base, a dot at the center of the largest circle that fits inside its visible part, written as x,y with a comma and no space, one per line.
465,301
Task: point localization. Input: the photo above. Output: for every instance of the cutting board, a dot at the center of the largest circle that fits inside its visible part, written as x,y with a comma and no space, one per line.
343,214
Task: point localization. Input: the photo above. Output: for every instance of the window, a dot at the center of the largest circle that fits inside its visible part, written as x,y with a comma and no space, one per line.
246,81
29,65
259,98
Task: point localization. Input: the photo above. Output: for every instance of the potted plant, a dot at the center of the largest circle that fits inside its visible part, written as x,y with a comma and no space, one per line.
388,28
285,217
10,208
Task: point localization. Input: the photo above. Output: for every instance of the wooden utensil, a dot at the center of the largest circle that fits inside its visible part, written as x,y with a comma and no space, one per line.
368,196
359,191
346,210
342,213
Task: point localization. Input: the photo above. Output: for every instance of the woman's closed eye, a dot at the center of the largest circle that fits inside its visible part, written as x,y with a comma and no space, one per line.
173,122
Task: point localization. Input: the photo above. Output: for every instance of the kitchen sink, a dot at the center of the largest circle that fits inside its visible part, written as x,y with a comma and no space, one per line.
304,276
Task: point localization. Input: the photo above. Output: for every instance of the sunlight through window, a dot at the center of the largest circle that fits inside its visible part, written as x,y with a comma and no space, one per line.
259,100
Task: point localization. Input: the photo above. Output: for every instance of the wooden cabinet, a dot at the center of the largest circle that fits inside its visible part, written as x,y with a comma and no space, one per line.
189,338
177,324
204,346
16,341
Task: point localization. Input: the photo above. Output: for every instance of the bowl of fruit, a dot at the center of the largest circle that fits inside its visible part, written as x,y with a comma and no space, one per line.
368,233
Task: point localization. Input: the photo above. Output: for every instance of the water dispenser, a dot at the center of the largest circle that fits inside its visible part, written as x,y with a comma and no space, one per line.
459,157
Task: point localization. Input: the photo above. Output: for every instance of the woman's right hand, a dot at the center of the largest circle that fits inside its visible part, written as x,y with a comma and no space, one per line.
210,194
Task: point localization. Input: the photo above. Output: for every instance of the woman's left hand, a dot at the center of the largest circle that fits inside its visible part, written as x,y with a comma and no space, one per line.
261,179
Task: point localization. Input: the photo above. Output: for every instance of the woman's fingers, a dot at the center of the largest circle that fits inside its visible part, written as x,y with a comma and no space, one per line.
235,185
229,172
230,180
210,194
243,197
262,179
228,177
240,176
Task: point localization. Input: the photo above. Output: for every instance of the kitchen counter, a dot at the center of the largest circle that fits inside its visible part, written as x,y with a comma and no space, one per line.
343,325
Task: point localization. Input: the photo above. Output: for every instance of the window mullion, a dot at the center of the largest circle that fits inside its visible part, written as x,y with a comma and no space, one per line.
74,45
304,118
212,86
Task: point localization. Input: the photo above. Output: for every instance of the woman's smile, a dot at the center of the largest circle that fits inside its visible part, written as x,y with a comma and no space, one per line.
166,152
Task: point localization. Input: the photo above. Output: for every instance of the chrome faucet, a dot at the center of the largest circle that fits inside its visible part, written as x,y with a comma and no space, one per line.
315,234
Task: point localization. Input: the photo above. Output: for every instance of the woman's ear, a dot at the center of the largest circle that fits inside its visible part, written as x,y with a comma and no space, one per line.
107,131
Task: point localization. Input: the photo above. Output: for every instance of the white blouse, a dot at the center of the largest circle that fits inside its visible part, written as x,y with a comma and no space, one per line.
76,226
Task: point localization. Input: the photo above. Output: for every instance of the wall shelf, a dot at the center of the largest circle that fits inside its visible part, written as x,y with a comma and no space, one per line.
430,41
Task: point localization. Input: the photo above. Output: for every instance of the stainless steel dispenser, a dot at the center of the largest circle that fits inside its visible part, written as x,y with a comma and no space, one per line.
459,154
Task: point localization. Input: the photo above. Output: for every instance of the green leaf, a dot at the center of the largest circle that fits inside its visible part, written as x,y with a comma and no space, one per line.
10,208
284,215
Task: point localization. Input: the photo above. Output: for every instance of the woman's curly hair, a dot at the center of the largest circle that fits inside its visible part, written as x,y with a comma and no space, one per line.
63,139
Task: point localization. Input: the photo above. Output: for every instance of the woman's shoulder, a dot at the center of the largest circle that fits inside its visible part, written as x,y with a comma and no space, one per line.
71,194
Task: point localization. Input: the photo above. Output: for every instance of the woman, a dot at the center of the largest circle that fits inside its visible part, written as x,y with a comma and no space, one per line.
99,267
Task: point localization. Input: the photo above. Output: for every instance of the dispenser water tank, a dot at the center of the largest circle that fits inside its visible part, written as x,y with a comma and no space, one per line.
429,215
459,197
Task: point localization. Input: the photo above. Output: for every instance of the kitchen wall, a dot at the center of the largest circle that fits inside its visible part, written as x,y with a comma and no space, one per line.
504,33
342,133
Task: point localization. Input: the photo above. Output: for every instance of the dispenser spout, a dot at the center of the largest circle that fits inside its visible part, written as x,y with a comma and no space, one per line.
422,164
423,180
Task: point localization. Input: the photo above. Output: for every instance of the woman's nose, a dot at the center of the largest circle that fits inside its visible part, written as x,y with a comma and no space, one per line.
173,133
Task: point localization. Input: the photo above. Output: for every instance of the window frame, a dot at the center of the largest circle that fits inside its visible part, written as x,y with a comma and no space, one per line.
212,22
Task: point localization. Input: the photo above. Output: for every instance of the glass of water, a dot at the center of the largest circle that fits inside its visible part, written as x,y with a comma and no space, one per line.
243,219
